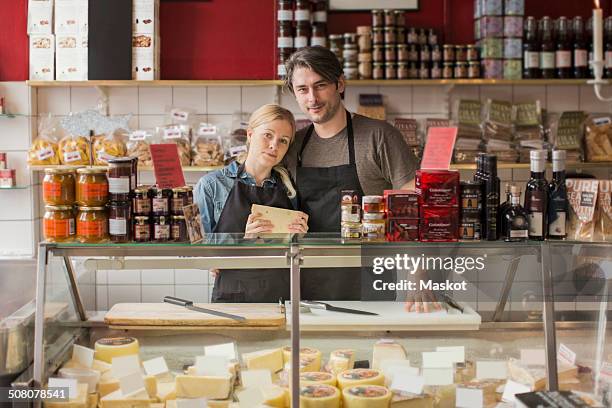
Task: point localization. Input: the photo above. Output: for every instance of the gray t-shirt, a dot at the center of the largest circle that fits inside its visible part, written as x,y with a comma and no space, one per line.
383,159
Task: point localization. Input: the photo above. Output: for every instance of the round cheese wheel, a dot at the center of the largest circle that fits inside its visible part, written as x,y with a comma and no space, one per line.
317,377
360,376
305,352
319,396
83,376
366,396
107,348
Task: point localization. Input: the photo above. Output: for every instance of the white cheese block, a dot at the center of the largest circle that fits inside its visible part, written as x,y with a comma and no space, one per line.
107,348
360,376
264,360
81,400
340,360
109,384
366,396
212,387
310,352
408,400
387,350
97,365
317,377
488,387
319,396
444,395
83,376
116,399
535,377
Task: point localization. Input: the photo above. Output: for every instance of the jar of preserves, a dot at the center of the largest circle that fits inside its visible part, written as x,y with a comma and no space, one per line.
432,37
350,39
91,225
413,71
319,14
91,187
351,70
425,53
400,33
349,54
302,35
390,70
460,53
178,231
58,186
378,53
302,10
448,53
365,70
413,53
335,41
424,70
472,53
378,36
402,70
319,35
141,203
390,53
119,221
412,37
364,38
58,223
189,195
423,38
389,18
285,35
119,179
378,70
390,35
402,52
400,18
142,229
378,18
350,230
160,201
373,227
436,53
285,11
473,69
447,70
436,70
372,204
461,70
161,228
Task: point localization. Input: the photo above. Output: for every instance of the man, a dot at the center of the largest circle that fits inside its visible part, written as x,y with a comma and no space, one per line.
339,151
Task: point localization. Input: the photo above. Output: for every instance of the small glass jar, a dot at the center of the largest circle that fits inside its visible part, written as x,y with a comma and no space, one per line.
189,196
142,229
160,201
350,39
372,204
350,213
302,35
425,53
285,11
119,221
91,187
432,37
378,36
378,18
460,53
402,52
436,53
472,53
373,227
390,53
389,18
178,231
302,10
284,39
59,186
365,70
91,225
319,14
448,70
378,70
390,70
448,52
400,33
349,54
350,230
436,70
461,70
422,37
402,70
412,37
319,35
473,69
364,38
400,18
141,203
413,71
413,53
390,35
161,228
378,53
424,70
335,41
351,70
119,179
58,223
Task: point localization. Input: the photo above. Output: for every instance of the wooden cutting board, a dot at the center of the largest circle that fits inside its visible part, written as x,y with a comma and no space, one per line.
165,314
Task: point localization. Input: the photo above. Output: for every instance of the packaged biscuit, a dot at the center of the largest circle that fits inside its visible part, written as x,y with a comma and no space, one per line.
598,138
582,197
207,146
139,145
603,212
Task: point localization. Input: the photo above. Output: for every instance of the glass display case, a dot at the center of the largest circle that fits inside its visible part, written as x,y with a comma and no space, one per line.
499,328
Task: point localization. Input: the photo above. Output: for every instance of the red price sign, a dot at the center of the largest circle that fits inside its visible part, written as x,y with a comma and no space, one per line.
439,148
168,170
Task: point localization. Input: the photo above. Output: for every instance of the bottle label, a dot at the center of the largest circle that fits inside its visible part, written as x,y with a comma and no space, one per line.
142,206
519,234
557,226
302,15
281,70
563,59
51,190
160,205
285,42
93,190
96,228
285,15
532,59
58,228
118,185
320,16
535,224
301,42
580,58
608,59
547,60
320,41
117,226
161,232
534,201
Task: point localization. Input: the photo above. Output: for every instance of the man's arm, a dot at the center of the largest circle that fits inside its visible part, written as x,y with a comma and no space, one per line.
409,185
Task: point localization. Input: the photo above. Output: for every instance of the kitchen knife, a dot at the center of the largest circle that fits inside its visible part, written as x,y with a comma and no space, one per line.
188,304
331,308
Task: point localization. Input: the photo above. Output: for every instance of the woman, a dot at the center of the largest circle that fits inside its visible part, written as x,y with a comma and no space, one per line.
225,198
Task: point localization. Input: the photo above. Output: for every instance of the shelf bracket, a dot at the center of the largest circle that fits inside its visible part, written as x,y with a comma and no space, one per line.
103,99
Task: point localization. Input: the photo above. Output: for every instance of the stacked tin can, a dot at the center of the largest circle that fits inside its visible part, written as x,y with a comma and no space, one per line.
365,57
460,61
350,210
471,210
498,29
373,219
402,209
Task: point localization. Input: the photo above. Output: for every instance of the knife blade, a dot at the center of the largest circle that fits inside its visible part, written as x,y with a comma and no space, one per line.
331,308
188,304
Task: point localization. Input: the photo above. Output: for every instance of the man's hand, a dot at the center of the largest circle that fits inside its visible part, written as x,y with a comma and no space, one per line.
424,301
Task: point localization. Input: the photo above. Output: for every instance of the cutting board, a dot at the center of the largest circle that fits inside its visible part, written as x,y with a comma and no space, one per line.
280,217
391,316
165,314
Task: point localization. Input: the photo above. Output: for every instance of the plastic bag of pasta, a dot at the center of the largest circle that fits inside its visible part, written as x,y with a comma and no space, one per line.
75,150
110,146
44,150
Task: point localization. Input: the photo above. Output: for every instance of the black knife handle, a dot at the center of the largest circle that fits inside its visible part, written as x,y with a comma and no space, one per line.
177,301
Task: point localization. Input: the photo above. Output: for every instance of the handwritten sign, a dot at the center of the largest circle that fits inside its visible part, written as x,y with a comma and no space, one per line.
439,148
168,171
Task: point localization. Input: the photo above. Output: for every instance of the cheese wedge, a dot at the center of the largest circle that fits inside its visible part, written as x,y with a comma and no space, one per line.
387,350
107,348
312,353
219,403
97,365
360,376
212,387
535,377
317,377
408,400
81,400
108,384
366,396
264,360
158,405
274,396
465,372
166,391
340,360
139,399
319,396
232,367
83,376
444,395
92,400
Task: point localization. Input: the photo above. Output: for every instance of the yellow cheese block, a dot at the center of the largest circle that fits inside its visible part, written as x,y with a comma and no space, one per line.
107,348
360,376
535,377
387,350
444,395
366,396
116,399
213,387
310,352
219,403
317,377
408,400
465,372
158,405
97,365
81,400
340,360
274,396
109,384
319,396
166,391
232,367
92,400
488,387
82,375
264,360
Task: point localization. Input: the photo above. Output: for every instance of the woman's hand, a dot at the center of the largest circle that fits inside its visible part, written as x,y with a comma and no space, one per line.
256,225
300,224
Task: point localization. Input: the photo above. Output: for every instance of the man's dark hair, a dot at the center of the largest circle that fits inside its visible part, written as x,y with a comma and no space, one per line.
319,59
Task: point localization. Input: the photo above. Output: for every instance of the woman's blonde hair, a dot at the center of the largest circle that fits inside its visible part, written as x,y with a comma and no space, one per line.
266,114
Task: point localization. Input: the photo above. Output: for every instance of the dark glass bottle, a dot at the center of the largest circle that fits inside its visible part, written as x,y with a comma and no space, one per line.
563,49
503,208
515,219
608,45
536,196
557,202
580,57
490,226
531,49
589,40
547,49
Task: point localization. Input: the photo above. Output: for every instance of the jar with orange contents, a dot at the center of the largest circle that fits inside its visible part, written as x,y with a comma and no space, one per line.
58,223
58,186
91,187
92,225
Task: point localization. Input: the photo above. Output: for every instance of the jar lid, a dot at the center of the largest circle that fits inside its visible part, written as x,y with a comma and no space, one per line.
459,46
350,36
390,46
59,170
335,37
388,11
376,11
188,188
364,30
178,217
389,29
119,204
372,199
470,46
141,218
473,63
160,218
58,207
179,190
120,161
142,189
461,63
91,170
91,208
448,46
373,216
364,57
448,64
350,224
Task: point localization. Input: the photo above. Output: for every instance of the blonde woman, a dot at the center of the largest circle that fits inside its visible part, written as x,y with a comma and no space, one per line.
224,198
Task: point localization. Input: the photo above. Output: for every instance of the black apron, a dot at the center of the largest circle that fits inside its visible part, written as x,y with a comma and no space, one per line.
256,285
319,191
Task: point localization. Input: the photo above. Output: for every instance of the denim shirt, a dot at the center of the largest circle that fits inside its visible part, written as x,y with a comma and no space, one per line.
213,189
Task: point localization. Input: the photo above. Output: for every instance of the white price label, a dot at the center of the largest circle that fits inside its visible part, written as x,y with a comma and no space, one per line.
302,15
285,15
563,59
44,154
320,16
139,135
119,185
70,157
285,42
172,133
207,130
318,41
179,114
117,226
566,355
301,42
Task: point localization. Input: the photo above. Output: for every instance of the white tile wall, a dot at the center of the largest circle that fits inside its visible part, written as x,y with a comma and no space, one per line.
123,100
156,293
562,98
157,277
54,100
224,100
190,97
17,97
154,101
124,277
123,294
12,131
83,98
255,96
428,99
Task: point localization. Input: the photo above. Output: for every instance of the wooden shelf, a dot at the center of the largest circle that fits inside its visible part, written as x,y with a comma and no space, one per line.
188,169
578,165
272,82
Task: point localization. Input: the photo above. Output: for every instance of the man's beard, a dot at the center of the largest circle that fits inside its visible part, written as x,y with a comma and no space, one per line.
329,114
